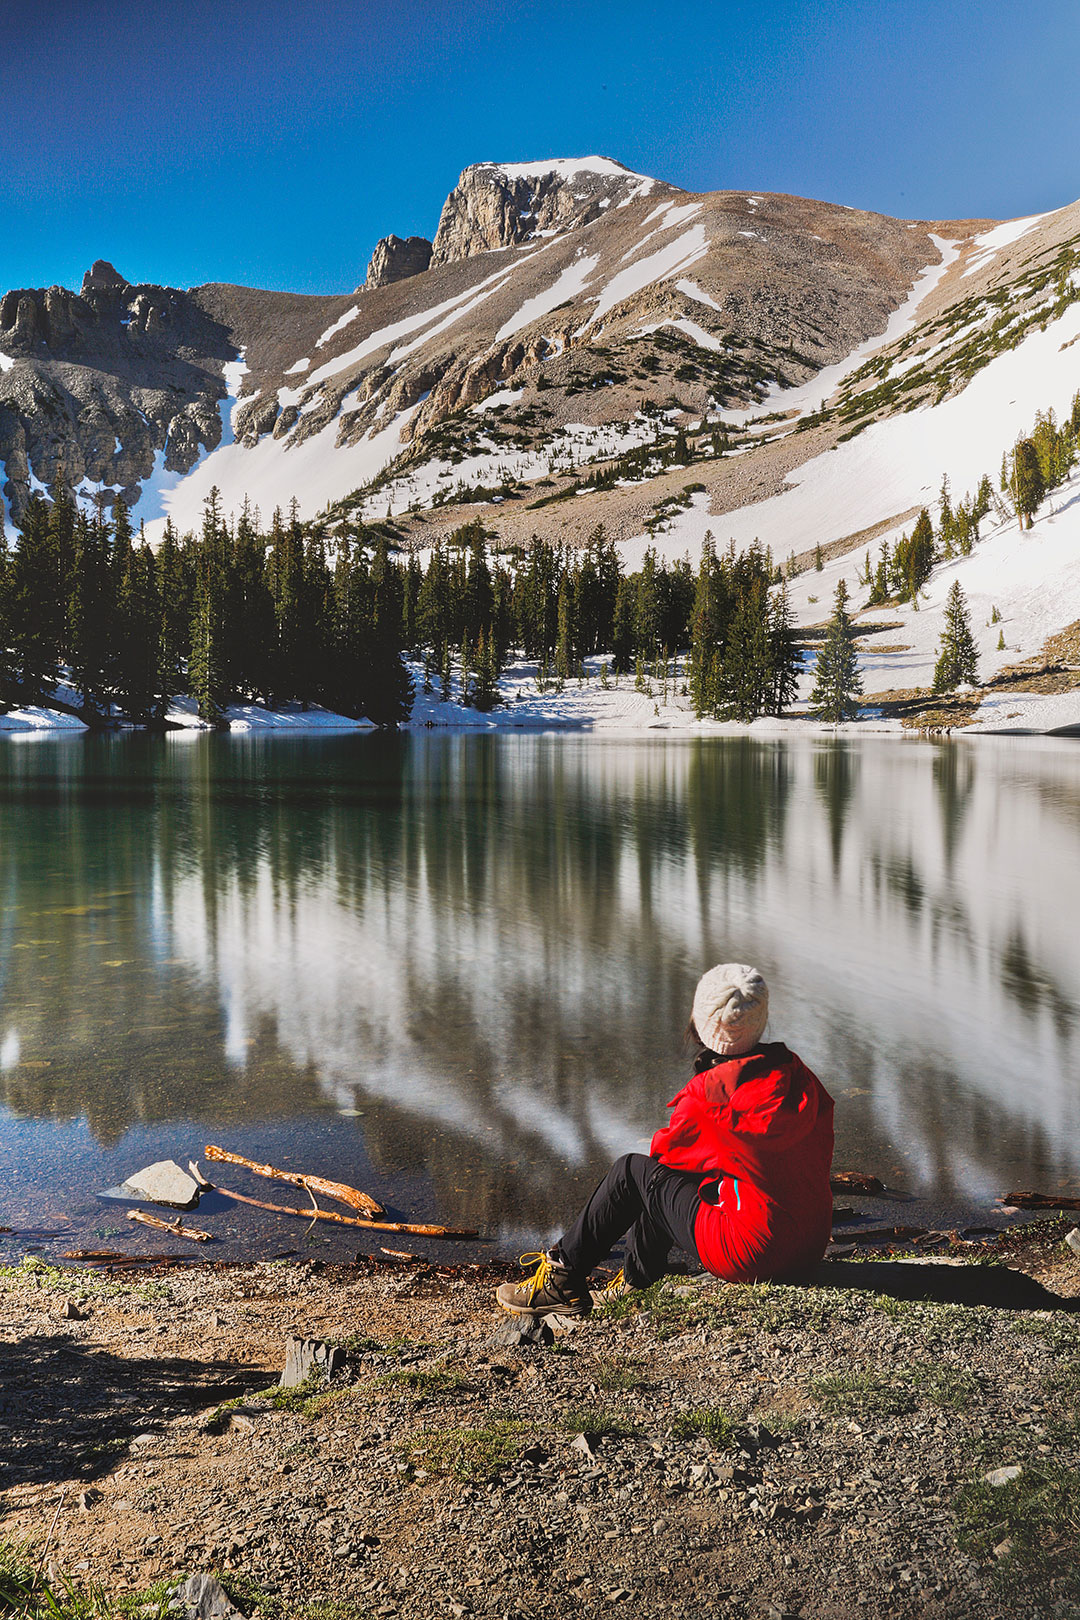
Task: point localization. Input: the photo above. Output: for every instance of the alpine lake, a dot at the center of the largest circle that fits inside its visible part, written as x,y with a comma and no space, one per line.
454,970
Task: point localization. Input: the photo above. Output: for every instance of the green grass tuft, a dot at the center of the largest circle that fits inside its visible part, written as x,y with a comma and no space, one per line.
468,1453
710,1422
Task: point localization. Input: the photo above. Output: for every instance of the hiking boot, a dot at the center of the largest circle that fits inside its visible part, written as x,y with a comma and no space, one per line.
617,1288
550,1291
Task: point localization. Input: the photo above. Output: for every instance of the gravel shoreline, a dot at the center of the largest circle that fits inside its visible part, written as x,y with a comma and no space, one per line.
815,1451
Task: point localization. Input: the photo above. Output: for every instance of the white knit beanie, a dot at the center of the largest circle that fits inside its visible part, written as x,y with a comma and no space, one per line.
731,1008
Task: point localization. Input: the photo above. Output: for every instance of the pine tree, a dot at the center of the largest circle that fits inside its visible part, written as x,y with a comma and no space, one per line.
7,654
37,608
837,681
648,607
92,637
249,612
207,667
958,657
174,594
622,628
708,621
479,601
486,691
785,659
1026,484
140,686
565,643
745,677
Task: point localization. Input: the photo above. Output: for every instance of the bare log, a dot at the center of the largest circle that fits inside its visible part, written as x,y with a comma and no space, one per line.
351,1220
360,1201
174,1228
855,1181
1037,1200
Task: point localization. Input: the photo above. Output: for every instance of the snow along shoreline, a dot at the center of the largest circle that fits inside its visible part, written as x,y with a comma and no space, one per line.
599,704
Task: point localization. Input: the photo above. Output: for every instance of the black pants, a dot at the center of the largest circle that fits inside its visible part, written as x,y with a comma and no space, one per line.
655,1206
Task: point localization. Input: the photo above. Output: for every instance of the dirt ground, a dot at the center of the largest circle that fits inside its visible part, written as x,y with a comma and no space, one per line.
819,1451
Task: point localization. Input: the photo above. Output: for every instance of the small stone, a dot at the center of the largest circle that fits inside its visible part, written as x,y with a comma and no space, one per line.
162,1183
584,1445
1003,1548
1002,1476
1073,1240
204,1598
522,1330
71,1312
141,1441
306,1357
87,1499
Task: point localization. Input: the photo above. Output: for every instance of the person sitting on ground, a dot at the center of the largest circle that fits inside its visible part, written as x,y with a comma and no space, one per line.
739,1176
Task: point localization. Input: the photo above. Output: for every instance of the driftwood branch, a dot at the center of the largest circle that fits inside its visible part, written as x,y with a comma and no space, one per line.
360,1201
1037,1200
351,1220
174,1228
855,1181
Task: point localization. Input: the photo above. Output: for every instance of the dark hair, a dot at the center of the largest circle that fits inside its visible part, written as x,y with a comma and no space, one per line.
692,1041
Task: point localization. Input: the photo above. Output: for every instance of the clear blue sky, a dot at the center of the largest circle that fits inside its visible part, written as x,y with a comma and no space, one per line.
271,142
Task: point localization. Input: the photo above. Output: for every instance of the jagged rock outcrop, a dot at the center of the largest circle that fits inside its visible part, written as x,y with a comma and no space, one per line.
103,277
497,205
396,259
104,379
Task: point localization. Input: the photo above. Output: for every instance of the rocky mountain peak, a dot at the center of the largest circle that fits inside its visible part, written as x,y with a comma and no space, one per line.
396,259
496,205
103,277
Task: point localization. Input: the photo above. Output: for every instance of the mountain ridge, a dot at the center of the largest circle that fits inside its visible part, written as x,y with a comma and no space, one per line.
104,425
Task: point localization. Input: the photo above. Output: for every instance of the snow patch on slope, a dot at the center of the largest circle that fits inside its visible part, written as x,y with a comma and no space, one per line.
661,265
568,284
812,395
990,243
384,336
339,326
315,471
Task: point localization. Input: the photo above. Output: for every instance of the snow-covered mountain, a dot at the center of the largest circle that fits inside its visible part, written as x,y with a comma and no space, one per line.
576,278
567,312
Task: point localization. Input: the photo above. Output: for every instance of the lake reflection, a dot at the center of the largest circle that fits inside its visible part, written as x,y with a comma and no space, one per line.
456,968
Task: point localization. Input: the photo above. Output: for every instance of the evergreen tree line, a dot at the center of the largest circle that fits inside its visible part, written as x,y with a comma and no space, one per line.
561,607
229,614
292,613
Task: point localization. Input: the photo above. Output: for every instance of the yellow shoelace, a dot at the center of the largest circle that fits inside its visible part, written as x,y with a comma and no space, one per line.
543,1271
614,1288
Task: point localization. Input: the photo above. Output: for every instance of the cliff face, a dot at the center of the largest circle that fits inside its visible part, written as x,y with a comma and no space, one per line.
95,383
395,259
500,205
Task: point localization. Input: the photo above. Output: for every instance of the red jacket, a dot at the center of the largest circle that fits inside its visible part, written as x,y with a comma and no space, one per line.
760,1130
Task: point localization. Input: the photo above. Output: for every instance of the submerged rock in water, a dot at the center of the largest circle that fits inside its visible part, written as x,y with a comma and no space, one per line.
161,1183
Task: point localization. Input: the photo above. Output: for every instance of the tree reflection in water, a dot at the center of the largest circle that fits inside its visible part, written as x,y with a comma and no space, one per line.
475,954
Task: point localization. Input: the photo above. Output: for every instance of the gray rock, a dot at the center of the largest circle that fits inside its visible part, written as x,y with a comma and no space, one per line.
520,1330
162,1183
584,1445
204,1598
396,259
72,1312
1073,1240
1002,1476
305,1358
102,277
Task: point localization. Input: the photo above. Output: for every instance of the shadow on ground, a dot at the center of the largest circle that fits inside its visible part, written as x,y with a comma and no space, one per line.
66,1413
998,1286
